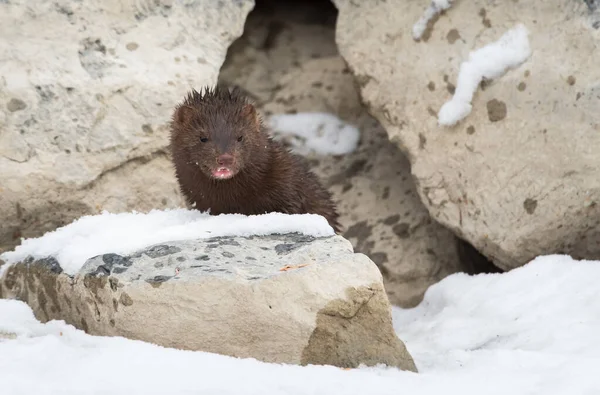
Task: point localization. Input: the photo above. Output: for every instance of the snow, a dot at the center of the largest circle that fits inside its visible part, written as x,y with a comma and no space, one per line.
434,8
533,330
125,233
490,61
318,132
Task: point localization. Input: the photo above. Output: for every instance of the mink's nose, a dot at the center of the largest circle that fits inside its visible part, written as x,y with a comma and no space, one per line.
225,160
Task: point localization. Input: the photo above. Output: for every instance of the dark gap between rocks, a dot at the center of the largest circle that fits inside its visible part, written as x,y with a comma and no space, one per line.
286,62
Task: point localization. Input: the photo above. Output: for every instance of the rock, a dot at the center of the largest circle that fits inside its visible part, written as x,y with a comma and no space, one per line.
85,100
517,177
284,299
380,209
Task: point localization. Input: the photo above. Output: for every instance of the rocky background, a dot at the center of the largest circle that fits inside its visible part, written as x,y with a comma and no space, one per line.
287,60
86,91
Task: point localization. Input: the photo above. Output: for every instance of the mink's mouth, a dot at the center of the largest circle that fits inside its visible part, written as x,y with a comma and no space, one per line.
222,173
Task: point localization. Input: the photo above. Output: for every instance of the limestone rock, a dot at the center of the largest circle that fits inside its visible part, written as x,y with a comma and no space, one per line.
518,176
284,299
380,209
86,93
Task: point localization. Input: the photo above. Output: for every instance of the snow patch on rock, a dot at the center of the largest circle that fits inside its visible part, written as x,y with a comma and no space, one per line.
490,61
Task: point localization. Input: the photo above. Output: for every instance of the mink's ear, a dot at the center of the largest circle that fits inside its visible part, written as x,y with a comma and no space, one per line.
249,112
182,114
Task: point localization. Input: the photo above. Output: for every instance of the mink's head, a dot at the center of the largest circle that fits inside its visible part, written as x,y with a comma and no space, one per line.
218,131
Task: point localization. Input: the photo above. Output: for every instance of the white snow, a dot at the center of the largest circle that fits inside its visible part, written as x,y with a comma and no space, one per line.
490,61
533,330
434,8
125,233
318,132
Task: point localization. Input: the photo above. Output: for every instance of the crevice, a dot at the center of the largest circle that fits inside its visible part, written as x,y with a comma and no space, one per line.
474,261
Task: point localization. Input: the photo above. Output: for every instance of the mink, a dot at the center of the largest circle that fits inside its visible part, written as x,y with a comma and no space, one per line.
226,162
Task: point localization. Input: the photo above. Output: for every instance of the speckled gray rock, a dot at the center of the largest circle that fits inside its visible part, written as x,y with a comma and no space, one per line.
518,177
86,92
285,299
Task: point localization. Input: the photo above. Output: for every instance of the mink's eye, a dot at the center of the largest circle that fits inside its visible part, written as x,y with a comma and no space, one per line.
240,138
204,139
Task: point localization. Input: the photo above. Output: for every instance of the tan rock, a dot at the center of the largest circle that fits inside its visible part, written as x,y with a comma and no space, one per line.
285,299
518,176
86,92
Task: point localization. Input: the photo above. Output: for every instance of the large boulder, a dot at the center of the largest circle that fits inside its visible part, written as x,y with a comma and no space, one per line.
518,176
283,298
383,217
86,92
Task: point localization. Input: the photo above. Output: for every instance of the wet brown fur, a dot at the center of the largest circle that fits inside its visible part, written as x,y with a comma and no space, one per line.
268,178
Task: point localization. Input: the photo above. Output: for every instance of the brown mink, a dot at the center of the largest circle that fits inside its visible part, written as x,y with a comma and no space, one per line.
226,162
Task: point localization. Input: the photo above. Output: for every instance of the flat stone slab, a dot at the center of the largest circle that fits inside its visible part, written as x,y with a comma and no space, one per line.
283,298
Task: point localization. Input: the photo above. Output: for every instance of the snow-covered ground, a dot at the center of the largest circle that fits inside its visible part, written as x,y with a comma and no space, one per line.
534,330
